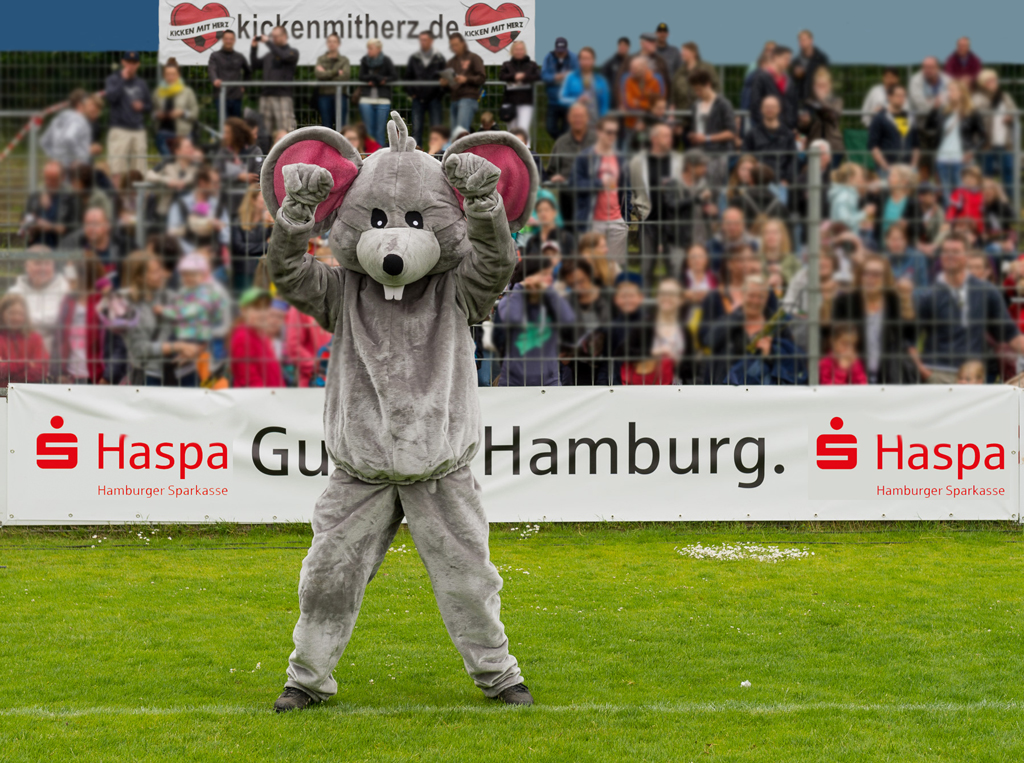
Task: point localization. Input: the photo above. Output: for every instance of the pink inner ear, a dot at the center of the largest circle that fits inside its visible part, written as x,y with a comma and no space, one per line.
514,185
315,152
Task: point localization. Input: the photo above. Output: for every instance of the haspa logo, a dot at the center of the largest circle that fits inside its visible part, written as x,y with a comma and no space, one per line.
56,450
494,28
199,28
833,452
839,451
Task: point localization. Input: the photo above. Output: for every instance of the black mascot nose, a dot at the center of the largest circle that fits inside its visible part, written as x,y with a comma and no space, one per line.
393,265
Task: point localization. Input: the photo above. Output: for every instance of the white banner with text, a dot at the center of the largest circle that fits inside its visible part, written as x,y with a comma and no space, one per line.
189,32
84,455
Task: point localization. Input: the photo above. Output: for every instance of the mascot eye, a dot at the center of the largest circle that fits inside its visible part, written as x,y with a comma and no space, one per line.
378,219
414,220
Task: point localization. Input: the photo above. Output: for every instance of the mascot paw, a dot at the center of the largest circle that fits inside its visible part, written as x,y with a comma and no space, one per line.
471,175
306,186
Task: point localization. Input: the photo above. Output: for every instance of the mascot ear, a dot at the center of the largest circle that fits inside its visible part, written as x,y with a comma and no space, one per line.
519,176
311,145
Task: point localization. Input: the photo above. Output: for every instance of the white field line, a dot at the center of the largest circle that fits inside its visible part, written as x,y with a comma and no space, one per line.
682,708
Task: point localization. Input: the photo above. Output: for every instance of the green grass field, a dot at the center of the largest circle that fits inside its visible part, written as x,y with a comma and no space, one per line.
886,644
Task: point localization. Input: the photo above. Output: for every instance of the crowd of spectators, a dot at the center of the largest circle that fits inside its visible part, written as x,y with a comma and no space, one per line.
668,245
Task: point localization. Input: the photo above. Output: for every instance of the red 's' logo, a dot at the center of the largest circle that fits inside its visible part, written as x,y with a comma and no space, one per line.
494,28
200,33
832,454
56,450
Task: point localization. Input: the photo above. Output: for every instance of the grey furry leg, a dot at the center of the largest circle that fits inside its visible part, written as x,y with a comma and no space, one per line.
448,524
353,525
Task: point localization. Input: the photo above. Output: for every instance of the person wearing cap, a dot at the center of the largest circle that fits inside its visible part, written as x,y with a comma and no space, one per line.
557,66
667,52
528,325
129,99
253,360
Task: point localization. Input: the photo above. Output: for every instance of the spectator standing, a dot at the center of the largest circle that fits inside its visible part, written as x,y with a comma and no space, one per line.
771,141
641,90
772,81
696,207
960,133
425,65
824,112
603,195
276,65
253,361
878,96
469,78
669,335
652,175
883,311
68,138
809,59
77,356
561,166
655,63
176,109
330,68
304,339
929,87
777,252
962,63
898,203
519,74
967,200
893,137
713,125
200,217
228,65
956,314
557,66
195,309
611,68
587,87
997,108
23,354
249,236
846,198
667,52
549,230
129,99
1000,228
528,325
52,212
683,91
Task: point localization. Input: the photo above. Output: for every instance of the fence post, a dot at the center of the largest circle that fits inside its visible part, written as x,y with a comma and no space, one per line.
813,254
533,116
222,106
1015,148
33,159
339,93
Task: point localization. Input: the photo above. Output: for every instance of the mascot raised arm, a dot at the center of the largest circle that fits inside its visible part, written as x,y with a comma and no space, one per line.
425,249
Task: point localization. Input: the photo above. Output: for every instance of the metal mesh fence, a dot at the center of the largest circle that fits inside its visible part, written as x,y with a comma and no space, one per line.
642,264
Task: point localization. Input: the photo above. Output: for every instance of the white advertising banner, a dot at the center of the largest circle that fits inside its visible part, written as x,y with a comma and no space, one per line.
83,455
189,32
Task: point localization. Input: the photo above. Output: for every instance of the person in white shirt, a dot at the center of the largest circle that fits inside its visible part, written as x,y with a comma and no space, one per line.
878,96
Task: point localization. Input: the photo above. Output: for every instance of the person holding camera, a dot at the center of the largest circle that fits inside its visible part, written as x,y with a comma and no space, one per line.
277,65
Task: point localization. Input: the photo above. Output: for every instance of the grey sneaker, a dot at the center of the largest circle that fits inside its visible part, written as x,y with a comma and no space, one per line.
516,695
293,699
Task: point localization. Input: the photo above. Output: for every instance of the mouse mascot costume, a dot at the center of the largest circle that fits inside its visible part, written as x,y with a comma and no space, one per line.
425,249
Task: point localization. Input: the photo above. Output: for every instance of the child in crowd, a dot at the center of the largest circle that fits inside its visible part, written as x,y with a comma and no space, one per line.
195,309
253,362
23,355
849,184
971,372
968,202
843,366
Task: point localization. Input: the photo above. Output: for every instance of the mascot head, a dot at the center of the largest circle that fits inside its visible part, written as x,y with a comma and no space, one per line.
394,216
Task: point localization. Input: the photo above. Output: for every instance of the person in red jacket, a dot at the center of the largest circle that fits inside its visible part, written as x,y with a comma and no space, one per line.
968,201
78,346
843,366
23,355
303,336
962,62
253,361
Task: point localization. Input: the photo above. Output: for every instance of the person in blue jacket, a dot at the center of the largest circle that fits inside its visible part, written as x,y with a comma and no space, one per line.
558,64
587,86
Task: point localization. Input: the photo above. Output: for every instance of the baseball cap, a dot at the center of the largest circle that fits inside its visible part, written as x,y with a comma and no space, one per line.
552,246
561,44
662,27
193,262
251,295
131,56
648,37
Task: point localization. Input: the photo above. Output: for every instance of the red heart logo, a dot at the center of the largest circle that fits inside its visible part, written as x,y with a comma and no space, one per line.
482,14
187,14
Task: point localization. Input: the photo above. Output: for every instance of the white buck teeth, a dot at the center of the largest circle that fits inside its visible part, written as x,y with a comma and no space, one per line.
393,292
